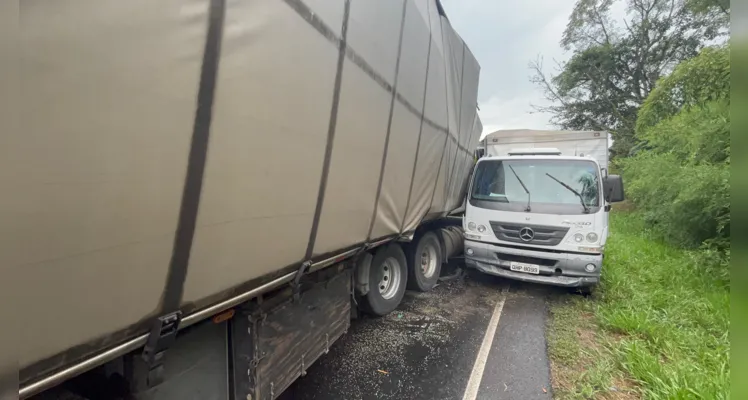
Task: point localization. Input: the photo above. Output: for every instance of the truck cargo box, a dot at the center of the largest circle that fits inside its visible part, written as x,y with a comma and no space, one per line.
571,143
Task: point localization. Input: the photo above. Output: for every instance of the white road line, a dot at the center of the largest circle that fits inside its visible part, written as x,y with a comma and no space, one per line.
471,391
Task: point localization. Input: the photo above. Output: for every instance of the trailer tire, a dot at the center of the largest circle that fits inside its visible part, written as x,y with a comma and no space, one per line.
388,277
424,262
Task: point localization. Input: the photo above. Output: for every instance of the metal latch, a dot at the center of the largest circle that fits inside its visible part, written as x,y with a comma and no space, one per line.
163,334
296,284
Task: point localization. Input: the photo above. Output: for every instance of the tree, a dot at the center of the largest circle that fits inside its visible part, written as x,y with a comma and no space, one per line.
680,180
615,65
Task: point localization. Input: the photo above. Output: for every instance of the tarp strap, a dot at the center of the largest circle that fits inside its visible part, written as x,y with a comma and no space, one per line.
459,131
296,283
389,125
168,317
447,135
190,202
311,17
420,133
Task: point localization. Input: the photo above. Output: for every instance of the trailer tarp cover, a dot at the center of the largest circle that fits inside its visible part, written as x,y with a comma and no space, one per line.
240,138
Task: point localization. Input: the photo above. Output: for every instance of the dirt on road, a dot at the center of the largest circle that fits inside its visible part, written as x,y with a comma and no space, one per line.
427,349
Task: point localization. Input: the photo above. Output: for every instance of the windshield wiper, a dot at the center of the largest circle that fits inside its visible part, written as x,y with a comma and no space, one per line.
527,209
571,189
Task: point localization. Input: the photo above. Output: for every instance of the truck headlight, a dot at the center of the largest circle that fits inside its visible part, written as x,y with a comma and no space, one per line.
471,226
578,238
481,228
592,237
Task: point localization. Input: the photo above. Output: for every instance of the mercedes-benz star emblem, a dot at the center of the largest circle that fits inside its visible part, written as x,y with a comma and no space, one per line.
526,234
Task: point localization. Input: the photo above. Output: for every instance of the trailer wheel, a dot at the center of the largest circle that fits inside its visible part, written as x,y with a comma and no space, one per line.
388,276
425,262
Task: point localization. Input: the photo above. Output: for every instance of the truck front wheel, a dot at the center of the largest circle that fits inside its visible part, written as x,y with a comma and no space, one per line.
388,276
425,262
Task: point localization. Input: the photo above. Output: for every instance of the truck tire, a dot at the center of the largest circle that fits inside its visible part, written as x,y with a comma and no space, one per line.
424,262
388,277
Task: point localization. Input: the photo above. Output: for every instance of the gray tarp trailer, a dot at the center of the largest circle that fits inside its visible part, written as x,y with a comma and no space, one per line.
200,167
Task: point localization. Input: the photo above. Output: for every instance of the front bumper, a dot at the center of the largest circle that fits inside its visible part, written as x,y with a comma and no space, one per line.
558,269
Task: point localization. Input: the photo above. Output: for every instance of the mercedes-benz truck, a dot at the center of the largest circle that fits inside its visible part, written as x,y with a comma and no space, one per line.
537,207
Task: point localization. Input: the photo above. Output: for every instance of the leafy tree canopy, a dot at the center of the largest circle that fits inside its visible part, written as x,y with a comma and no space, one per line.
693,82
614,65
680,177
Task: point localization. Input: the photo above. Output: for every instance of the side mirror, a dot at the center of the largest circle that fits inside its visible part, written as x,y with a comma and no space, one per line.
613,187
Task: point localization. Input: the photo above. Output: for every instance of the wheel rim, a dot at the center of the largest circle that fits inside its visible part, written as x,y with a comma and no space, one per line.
391,277
428,260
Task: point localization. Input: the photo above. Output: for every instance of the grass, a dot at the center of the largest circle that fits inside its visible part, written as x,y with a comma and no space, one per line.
656,328
582,368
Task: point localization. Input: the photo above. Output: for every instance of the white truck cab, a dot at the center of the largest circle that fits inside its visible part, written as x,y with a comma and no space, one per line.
535,214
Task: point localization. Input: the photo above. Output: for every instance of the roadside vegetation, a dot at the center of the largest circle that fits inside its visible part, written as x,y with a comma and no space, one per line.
680,176
658,325
656,328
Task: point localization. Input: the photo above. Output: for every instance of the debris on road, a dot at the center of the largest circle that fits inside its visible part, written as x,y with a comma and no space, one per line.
413,351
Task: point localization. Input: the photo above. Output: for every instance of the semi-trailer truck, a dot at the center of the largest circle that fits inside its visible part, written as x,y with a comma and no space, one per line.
538,204
203,192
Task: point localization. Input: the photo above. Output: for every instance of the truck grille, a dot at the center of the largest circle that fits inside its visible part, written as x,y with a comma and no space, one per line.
542,235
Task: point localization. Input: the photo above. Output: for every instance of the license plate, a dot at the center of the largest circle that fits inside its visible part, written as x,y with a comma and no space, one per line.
526,268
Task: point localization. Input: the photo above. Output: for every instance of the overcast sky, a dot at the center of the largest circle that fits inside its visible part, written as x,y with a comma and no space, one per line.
504,36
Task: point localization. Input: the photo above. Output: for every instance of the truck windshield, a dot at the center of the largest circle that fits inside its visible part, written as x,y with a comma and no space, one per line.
495,186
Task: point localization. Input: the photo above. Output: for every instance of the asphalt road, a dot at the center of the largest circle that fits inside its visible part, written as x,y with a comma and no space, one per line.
478,337
474,337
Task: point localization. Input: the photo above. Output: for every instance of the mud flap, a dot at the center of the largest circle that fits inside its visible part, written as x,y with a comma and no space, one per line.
274,342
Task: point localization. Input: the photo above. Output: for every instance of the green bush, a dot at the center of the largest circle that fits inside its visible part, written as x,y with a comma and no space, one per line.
693,82
680,177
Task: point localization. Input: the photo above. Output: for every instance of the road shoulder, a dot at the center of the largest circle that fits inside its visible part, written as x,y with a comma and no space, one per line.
518,366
